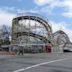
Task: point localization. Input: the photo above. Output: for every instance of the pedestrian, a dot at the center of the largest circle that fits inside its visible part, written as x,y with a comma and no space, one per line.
21,50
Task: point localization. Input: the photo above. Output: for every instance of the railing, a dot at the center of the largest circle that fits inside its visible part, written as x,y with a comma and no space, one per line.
32,14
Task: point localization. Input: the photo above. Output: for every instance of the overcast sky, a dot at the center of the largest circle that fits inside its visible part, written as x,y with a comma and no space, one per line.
58,12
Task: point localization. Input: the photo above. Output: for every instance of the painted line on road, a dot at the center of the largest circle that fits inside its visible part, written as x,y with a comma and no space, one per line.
33,66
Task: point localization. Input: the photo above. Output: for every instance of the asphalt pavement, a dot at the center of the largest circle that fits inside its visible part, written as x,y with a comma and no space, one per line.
43,62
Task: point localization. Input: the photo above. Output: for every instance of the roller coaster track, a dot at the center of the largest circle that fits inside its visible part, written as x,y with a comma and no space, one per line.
40,20
64,35
44,39
36,18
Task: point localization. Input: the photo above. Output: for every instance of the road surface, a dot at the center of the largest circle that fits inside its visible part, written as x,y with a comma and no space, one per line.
44,62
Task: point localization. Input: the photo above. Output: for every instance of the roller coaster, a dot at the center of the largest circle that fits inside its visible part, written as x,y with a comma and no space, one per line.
32,31
33,28
61,38
60,41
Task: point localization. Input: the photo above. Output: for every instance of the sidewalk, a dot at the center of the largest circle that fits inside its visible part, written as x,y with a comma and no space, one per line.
6,53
